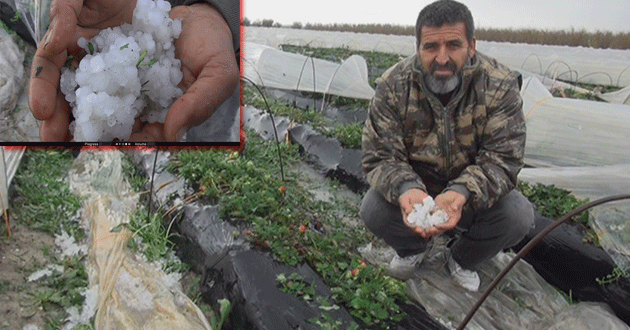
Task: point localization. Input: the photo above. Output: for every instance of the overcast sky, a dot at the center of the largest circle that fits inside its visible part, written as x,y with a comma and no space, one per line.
593,15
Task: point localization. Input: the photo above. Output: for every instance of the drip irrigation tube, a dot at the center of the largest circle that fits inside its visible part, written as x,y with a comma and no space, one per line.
529,246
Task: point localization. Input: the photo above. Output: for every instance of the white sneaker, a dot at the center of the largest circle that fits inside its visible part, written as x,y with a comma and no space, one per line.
403,268
466,278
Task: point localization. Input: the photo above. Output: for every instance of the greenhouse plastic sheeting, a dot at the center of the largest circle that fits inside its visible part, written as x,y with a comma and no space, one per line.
34,14
609,220
621,96
132,293
572,132
576,64
551,83
522,300
11,158
12,78
613,228
270,67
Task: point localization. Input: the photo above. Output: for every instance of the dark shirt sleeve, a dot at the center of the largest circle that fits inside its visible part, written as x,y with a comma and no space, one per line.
231,11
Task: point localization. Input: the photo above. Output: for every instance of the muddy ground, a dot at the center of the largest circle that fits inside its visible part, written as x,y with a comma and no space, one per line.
24,253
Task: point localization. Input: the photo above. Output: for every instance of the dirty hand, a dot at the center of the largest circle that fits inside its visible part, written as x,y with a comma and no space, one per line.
406,201
211,73
452,203
69,20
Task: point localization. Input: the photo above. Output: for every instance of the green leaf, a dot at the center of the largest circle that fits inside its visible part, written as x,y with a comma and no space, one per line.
16,17
69,61
381,314
118,228
142,56
151,62
329,308
125,46
224,309
91,48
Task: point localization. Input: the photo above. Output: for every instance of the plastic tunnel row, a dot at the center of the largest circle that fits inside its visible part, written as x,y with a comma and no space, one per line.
576,64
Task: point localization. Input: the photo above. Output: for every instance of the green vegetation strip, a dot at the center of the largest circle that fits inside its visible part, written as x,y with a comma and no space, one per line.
348,135
43,198
43,201
553,202
286,219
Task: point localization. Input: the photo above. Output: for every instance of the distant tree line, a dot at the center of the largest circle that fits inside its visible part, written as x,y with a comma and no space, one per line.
574,38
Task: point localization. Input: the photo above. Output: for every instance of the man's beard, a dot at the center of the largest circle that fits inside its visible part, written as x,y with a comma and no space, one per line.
439,85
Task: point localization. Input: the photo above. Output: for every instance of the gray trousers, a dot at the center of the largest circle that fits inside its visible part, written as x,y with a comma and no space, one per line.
480,235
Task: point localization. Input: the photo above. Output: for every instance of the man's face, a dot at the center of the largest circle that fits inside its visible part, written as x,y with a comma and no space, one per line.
443,52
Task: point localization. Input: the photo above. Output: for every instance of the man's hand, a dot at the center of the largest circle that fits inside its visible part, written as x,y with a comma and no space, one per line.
406,201
69,20
452,203
210,71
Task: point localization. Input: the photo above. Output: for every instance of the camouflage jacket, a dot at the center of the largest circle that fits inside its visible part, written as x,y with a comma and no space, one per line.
474,145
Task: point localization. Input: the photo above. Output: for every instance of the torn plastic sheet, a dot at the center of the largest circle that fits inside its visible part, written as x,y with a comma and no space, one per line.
523,300
564,259
132,293
570,132
552,83
270,67
574,64
612,223
621,96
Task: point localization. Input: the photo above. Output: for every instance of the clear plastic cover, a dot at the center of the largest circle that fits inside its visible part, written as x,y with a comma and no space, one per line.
575,64
270,67
522,300
132,293
34,14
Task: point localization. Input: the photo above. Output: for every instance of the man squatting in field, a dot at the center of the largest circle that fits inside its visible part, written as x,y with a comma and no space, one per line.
446,122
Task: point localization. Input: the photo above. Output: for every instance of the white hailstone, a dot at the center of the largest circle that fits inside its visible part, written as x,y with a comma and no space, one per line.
82,42
129,71
176,27
424,215
164,6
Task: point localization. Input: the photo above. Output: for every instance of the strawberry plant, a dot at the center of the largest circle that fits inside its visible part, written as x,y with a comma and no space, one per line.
295,227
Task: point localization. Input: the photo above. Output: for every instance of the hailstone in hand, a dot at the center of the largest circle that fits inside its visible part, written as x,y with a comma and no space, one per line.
129,72
424,215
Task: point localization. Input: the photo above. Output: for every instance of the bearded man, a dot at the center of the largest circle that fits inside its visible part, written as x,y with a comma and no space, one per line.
446,122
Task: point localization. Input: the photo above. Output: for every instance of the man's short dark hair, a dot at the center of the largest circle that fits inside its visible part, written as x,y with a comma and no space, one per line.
443,12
